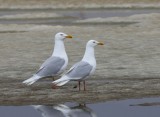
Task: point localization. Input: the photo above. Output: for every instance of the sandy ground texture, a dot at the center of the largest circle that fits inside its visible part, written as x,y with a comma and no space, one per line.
79,4
127,65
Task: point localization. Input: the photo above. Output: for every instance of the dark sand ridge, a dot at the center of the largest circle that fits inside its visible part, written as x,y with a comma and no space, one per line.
78,4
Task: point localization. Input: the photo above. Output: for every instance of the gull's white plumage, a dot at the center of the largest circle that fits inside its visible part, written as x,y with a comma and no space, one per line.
82,69
54,65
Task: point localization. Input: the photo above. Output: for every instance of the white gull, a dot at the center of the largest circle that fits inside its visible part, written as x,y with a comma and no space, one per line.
55,64
81,70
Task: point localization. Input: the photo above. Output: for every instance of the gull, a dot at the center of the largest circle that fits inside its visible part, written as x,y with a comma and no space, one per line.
81,70
62,110
48,111
55,64
76,111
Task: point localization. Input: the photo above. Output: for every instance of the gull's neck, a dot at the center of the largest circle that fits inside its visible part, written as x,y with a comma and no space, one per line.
89,55
59,49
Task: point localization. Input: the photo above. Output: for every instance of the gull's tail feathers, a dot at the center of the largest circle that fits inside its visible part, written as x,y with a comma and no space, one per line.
62,81
31,80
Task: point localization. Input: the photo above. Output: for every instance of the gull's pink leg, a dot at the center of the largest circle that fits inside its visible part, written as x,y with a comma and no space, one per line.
84,85
54,87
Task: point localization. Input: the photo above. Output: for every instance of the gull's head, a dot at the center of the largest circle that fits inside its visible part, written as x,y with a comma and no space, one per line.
93,43
62,36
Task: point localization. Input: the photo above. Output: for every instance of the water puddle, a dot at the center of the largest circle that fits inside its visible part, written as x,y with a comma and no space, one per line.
69,16
146,107
104,13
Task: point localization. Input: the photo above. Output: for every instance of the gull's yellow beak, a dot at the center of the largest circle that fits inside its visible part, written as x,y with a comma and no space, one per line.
100,43
68,36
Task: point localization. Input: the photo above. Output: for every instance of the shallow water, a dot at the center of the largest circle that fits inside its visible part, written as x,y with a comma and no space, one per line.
104,13
146,107
69,15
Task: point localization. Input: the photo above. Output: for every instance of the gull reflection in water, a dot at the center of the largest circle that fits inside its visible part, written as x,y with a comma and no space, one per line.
62,110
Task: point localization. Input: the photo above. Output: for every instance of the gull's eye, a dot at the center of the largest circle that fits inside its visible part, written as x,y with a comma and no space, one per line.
94,42
61,34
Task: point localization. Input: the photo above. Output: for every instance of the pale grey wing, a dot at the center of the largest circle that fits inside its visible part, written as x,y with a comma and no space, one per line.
81,70
46,62
71,68
52,67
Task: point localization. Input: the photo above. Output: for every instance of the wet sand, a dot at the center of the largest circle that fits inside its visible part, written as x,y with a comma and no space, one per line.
127,65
